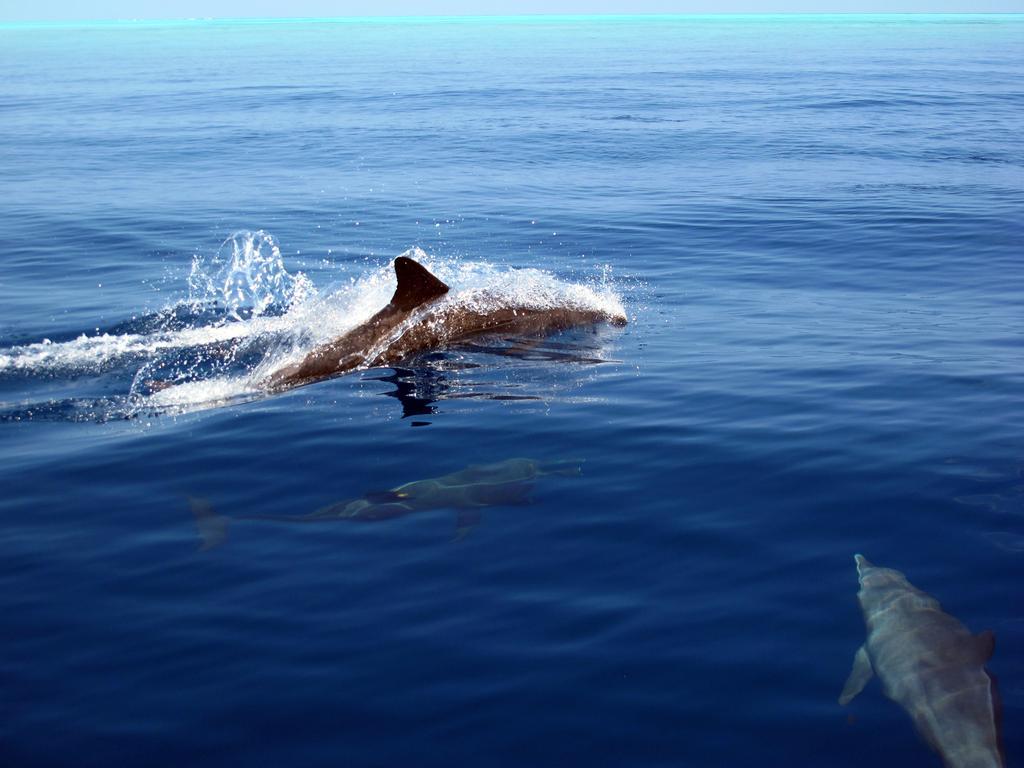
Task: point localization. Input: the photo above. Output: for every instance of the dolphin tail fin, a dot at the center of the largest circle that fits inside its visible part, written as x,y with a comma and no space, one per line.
859,676
415,284
563,467
213,528
467,520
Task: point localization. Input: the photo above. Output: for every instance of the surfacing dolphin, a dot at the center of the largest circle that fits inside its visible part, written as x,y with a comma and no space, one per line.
371,344
503,483
929,664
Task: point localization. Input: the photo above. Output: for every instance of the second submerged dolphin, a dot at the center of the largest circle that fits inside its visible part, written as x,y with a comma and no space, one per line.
467,491
929,664
384,340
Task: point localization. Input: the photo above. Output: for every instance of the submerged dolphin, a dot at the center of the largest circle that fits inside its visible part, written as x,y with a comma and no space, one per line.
503,483
931,665
370,344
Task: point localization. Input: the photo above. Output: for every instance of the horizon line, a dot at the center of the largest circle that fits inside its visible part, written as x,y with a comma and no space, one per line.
435,18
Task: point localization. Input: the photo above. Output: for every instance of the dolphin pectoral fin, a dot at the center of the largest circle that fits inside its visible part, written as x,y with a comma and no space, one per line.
415,284
859,676
213,528
985,645
467,520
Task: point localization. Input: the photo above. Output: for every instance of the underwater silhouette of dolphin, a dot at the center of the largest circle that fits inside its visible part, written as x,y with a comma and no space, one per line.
369,345
467,491
929,664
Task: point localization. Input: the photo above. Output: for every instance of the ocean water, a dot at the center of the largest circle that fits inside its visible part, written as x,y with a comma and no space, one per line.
815,226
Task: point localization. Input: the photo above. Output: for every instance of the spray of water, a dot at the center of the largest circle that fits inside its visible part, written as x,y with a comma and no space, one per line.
246,316
247,277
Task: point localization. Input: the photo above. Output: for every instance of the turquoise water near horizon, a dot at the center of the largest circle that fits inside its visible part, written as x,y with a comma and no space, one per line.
813,225
552,18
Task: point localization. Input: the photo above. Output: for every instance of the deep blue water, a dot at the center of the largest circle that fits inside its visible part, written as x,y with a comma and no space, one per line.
816,228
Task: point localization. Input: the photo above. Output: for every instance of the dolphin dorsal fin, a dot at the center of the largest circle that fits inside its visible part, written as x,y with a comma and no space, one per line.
415,284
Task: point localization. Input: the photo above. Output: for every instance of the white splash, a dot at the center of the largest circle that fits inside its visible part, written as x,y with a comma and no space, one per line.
251,277
247,276
86,353
266,317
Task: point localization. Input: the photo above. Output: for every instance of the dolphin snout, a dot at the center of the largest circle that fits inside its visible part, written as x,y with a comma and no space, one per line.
862,564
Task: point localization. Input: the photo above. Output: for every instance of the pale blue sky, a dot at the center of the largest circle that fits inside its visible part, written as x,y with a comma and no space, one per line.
74,10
